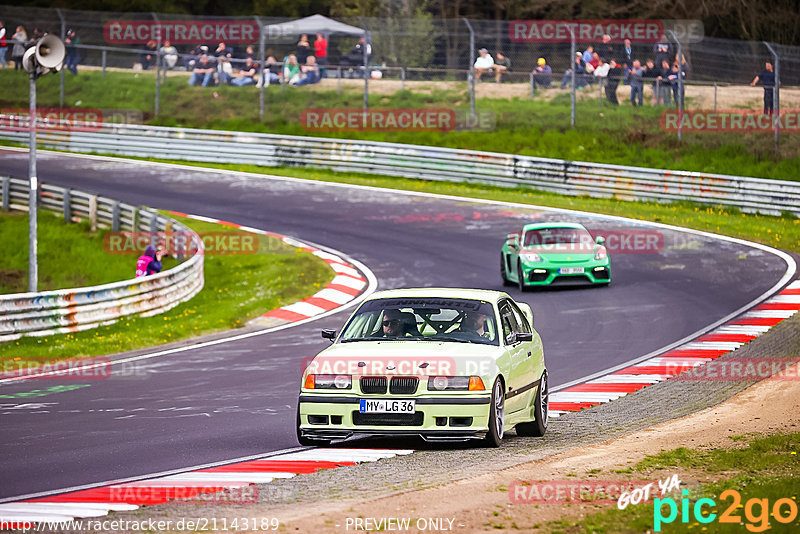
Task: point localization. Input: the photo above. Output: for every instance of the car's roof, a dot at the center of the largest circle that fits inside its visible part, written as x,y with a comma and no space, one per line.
440,292
552,224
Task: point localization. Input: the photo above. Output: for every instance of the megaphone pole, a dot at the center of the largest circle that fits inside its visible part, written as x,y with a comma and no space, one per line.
33,271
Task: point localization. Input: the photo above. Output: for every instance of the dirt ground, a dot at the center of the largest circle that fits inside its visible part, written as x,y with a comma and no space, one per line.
482,503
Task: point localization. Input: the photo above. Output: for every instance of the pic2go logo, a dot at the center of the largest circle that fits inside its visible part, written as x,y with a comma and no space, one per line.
756,511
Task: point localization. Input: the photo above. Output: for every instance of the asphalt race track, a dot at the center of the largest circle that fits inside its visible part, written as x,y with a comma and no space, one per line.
238,398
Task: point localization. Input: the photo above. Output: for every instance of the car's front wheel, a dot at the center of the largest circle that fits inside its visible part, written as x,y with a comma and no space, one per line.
520,277
503,272
541,403
497,415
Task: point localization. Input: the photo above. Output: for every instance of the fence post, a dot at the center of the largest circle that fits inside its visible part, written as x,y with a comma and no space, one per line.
62,72
67,204
776,100
105,53
533,86
115,216
471,75
261,67
402,78
93,212
680,84
158,64
339,79
572,63
715,97
6,192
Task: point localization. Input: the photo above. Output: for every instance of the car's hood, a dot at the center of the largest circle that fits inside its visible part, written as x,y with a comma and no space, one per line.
423,358
562,253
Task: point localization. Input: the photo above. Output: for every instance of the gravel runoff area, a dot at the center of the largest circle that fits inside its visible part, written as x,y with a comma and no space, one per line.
309,501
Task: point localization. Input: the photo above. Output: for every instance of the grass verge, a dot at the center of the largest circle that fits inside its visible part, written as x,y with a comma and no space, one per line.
608,134
780,232
765,469
69,255
237,288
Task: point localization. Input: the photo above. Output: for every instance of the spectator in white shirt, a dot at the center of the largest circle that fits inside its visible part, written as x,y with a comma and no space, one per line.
483,63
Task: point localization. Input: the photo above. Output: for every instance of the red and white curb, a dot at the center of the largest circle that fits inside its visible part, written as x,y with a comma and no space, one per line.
710,346
192,487
347,285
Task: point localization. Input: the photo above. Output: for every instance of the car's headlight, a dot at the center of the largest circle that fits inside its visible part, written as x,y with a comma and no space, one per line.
449,383
328,382
601,253
531,257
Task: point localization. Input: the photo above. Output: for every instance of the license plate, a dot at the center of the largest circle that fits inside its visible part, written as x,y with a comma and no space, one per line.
570,270
386,406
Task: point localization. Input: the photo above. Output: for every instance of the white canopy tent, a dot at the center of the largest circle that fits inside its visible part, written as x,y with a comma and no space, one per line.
312,25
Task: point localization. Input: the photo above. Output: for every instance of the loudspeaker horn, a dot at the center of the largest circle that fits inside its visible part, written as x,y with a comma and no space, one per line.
50,52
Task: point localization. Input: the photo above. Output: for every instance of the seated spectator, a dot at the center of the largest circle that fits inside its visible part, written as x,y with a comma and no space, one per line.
588,54
190,60
310,72
148,57
203,72
649,74
272,70
291,69
542,74
169,54
580,70
600,72
247,74
483,63
250,52
501,66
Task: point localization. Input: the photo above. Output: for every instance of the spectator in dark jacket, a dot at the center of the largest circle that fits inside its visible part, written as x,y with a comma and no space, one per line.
607,50
649,75
580,71
542,74
767,79
615,74
663,50
664,85
148,57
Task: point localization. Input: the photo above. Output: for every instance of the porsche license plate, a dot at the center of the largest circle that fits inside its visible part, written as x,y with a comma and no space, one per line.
570,270
386,406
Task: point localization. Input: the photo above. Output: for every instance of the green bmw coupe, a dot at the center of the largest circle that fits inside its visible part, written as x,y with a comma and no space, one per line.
542,254
443,364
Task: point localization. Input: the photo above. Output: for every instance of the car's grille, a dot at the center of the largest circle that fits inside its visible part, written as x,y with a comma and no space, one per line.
403,385
601,274
388,419
373,384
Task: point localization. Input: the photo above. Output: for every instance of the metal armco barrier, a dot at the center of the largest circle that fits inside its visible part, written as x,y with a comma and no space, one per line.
430,163
72,310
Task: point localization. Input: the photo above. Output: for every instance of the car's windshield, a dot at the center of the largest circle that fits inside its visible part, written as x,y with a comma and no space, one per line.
423,319
558,236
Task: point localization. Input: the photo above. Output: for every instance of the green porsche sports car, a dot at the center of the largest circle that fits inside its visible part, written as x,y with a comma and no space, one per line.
443,364
554,253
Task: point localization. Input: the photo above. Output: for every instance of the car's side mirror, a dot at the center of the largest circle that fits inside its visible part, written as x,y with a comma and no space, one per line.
524,336
329,334
600,240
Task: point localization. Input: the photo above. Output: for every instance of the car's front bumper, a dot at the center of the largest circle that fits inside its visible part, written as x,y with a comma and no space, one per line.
436,417
547,274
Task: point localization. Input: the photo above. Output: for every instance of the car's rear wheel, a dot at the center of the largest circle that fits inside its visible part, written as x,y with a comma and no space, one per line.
541,403
503,272
497,415
308,442
520,277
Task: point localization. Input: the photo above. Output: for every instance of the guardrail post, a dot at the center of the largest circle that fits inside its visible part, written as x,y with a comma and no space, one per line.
67,203
115,216
135,220
93,212
6,192
104,63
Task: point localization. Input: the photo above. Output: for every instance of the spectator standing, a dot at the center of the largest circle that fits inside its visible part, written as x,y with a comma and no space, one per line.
321,49
18,50
170,55
627,53
247,74
483,63
73,54
501,66
649,75
601,72
767,79
309,71
662,49
665,88
678,89
203,72
148,57
635,74
612,81
607,50
224,67
303,49
588,54
3,45
542,74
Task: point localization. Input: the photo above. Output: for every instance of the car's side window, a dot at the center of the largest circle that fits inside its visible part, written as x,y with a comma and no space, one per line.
510,326
522,321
